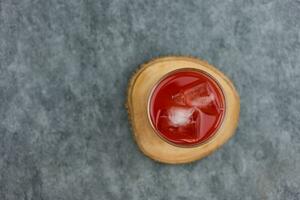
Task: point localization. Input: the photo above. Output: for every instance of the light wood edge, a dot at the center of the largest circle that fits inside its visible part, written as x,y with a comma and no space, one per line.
130,108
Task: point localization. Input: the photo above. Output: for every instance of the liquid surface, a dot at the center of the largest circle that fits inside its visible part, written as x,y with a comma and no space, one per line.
187,107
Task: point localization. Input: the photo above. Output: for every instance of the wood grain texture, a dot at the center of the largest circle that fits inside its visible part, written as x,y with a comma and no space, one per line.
149,142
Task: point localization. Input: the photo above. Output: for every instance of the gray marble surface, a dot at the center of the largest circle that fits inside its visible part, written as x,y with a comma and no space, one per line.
64,68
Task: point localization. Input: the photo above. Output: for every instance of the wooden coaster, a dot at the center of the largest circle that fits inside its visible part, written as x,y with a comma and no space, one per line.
151,143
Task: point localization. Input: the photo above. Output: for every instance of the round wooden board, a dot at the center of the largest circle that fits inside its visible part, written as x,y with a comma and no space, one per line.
139,90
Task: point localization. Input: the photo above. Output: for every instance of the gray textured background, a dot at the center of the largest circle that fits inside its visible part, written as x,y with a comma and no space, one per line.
64,132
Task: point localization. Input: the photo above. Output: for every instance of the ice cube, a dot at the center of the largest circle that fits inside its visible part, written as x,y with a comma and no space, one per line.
185,122
201,102
177,120
180,116
198,95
